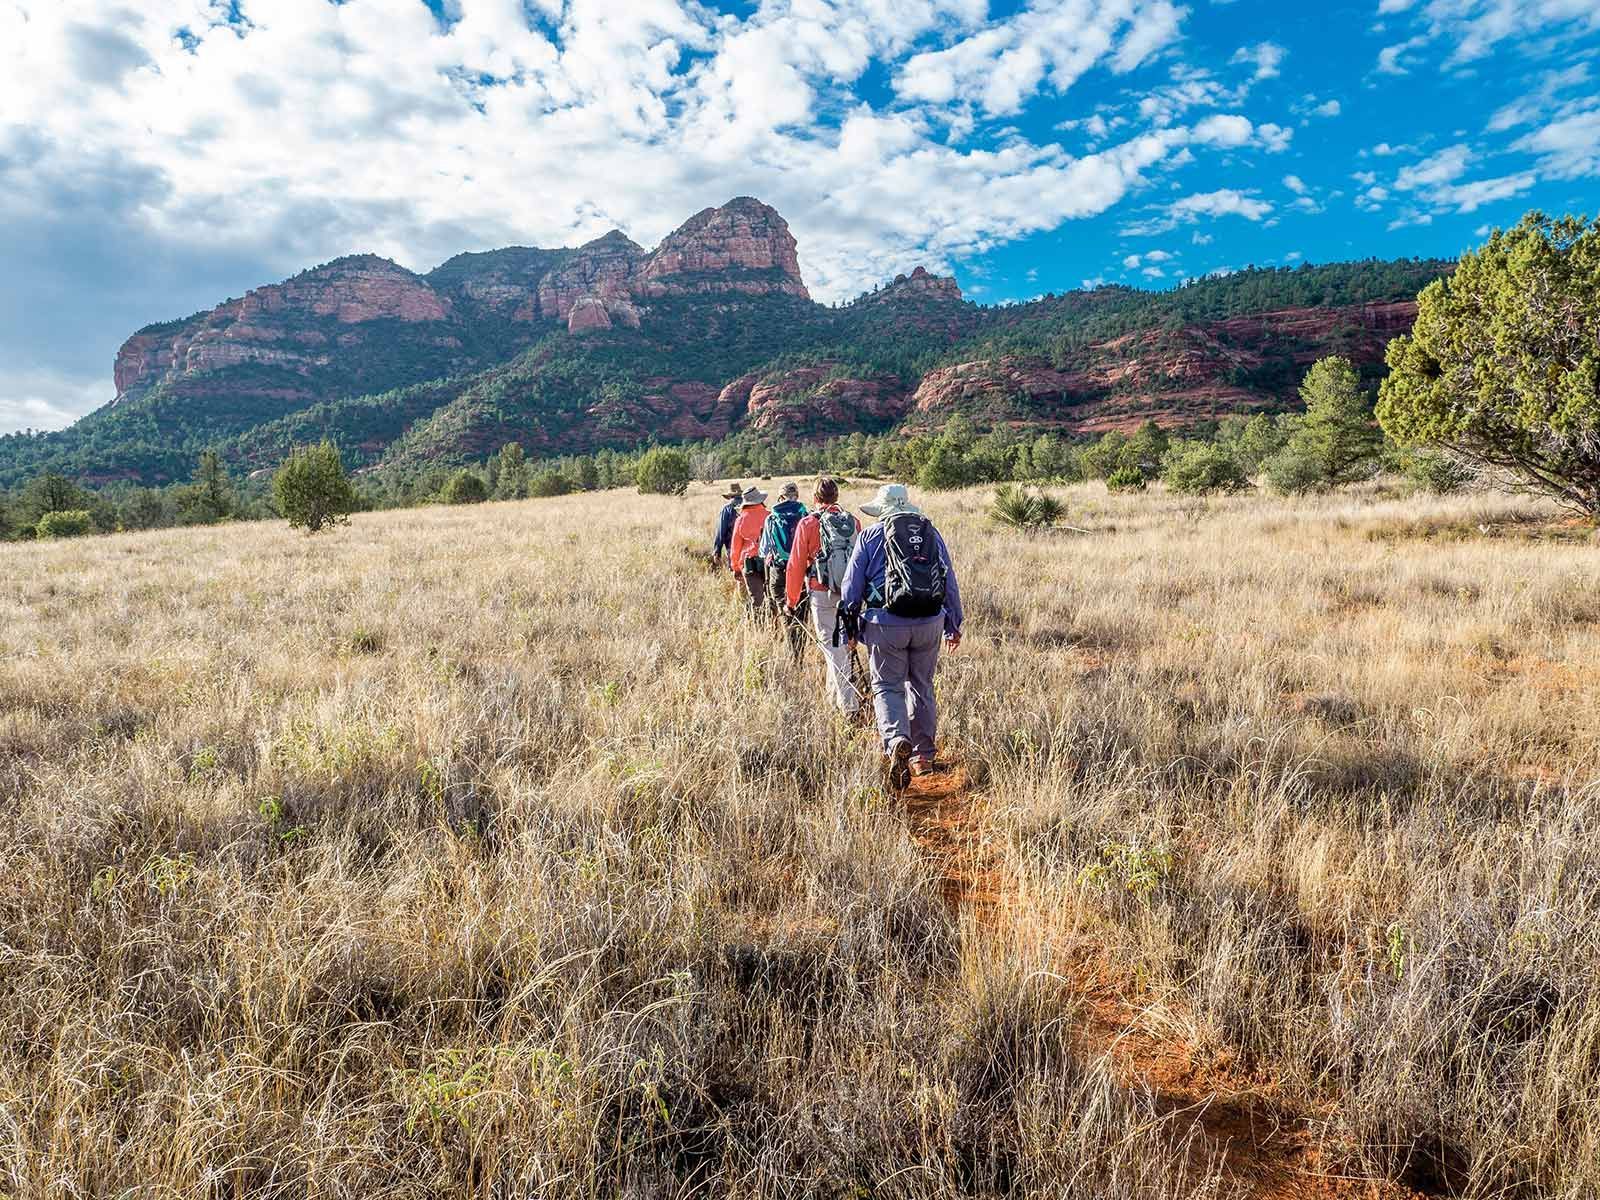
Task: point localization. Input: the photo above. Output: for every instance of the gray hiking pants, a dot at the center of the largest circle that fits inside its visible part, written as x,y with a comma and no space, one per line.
903,658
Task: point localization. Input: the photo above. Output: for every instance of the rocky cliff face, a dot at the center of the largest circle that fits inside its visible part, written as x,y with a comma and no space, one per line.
301,325
743,246
817,401
918,286
298,325
1198,373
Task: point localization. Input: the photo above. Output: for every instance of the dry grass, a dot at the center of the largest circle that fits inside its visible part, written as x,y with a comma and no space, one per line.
489,853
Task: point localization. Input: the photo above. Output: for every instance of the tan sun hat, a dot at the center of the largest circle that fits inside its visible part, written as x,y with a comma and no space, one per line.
735,491
891,498
753,497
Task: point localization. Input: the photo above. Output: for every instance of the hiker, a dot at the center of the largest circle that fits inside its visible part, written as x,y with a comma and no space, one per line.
820,554
744,549
899,598
725,520
777,537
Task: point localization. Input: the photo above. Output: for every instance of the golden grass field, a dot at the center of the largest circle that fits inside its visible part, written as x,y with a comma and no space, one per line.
489,852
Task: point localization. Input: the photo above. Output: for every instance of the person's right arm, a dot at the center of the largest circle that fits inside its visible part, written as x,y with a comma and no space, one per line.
806,542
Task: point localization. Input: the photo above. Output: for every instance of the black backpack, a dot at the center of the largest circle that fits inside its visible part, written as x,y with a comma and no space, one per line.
913,576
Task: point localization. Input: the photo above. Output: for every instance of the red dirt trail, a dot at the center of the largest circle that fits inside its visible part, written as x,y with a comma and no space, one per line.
1269,1151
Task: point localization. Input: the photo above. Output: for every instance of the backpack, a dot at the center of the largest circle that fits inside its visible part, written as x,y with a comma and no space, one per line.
778,534
836,532
913,575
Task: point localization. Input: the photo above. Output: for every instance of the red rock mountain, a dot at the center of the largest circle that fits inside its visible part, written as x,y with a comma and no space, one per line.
711,333
300,325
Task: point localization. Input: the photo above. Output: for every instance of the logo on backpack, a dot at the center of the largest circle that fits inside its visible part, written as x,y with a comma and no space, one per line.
914,575
837,533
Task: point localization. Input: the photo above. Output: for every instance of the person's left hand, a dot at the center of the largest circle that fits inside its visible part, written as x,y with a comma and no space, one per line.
953,640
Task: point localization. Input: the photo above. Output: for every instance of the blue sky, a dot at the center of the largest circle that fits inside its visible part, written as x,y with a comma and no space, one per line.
157,158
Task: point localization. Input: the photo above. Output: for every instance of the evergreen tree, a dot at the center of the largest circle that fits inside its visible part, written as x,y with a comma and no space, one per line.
1502,367
511,475
311,489
1336,441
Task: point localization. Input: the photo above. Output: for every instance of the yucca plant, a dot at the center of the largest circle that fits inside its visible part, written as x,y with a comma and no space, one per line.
1020,508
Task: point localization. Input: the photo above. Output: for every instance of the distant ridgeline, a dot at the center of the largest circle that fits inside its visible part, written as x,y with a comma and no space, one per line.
710,334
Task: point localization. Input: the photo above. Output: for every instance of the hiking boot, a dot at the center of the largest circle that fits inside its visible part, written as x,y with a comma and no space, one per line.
899,764
923,764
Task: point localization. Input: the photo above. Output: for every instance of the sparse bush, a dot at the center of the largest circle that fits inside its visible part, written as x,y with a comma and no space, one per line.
662,471
1438,474
1199,468
550,483
465,487
1293,472
1126,479
1019,508
72,522
311,489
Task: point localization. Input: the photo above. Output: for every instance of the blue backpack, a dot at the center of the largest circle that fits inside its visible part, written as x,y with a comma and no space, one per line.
778,533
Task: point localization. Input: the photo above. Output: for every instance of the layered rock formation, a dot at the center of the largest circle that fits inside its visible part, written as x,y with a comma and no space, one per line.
295,325
822,400
744,245
919,285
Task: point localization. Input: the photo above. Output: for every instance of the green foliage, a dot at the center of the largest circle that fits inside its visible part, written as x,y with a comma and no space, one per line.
465,487
585,475
1336,441
211,497
1433,471
663,471
1253,440
1021,508
65,523
1105,456
550,483
1199,468
1146,450
311,489
1503,365
50,493
1126,479
511,473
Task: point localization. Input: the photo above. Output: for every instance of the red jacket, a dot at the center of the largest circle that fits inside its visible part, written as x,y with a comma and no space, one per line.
746,536
807,545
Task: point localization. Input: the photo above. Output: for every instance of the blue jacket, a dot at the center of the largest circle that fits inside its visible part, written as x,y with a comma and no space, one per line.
863,583
725,519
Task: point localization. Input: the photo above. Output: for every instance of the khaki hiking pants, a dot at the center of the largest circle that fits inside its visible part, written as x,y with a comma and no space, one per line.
824,614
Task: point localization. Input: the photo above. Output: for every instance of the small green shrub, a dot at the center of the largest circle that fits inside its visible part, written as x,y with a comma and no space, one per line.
662,471
1293,473
1126,479
464,487
72,522
1200,468
311,489
550,483
1435,472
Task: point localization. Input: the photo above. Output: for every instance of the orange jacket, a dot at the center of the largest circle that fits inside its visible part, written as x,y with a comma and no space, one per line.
746,536
807,545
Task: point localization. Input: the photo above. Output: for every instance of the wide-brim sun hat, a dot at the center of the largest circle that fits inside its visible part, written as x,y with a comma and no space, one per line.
735,492
891,498
754,496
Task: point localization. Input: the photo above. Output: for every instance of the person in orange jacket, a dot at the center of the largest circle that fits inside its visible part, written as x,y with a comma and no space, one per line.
805,579
744,552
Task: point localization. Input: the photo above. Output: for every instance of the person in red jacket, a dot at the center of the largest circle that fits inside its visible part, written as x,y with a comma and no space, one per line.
805,577
744,551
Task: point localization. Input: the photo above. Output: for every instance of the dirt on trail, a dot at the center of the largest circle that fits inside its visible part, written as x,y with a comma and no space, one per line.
1265,1148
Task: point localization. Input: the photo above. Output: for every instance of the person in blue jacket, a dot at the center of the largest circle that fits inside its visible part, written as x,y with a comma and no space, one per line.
903,652
725,520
